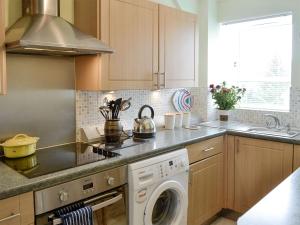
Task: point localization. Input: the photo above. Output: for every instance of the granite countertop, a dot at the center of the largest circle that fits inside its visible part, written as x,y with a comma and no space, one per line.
12,183
241,129
279,207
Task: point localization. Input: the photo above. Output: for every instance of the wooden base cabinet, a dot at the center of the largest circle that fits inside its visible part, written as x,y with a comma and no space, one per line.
2,49
296,163
18,210
205,189
259,166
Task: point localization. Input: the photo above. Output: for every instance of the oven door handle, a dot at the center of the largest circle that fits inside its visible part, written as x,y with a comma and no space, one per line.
96,207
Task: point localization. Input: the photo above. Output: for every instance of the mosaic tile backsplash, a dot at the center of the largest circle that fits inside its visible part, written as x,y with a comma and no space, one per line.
87,113
257,116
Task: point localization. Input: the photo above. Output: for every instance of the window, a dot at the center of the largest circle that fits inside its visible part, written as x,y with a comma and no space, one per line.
257,55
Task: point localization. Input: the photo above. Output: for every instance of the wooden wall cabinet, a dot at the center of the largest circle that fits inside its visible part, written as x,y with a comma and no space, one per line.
205,180
131,28
3,81
18,210
178,48
259,166
148,55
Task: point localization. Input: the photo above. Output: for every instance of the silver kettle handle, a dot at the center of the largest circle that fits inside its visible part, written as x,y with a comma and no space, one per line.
144,107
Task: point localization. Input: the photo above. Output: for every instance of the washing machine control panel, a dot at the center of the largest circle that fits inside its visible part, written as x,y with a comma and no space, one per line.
172,167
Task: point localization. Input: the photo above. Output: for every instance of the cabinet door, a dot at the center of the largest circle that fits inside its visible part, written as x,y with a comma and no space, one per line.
130,27
205,189
2,50
178,48
296,163
259,167
18,210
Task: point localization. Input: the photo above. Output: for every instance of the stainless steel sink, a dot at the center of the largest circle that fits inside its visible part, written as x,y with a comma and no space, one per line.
274,132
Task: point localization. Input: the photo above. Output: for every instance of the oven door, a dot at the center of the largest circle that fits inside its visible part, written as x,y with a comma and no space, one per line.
109,209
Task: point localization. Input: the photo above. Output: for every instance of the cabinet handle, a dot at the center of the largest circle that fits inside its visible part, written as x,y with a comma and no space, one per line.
208,149
164,85
10,217
156,86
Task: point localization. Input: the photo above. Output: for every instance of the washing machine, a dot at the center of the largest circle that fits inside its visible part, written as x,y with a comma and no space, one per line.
158,190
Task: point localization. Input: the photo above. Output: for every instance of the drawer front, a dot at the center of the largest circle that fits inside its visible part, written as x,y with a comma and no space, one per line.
205,149
13,220
9,207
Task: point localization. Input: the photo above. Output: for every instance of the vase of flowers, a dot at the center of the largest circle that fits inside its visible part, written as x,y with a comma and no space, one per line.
226,98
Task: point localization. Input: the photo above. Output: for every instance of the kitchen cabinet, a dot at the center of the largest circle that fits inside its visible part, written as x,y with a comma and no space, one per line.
155,46
3,81
205,189
18,210
130,27
178,48
296,163
259,166
206,180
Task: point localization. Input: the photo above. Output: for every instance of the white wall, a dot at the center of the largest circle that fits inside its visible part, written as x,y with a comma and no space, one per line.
234,10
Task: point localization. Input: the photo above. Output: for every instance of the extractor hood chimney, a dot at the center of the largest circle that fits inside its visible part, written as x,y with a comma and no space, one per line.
42,31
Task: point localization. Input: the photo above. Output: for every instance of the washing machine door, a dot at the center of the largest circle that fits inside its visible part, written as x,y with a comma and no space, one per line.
167,205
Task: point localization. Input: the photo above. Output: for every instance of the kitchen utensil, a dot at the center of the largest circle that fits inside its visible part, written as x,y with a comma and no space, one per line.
178,120
113,130
126,104
144,127
118,103
186,119
19,146
170,121
105,101
104,111
183,100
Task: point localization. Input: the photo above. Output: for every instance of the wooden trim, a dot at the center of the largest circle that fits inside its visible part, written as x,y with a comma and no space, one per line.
296,160
27,208
3,75
3,78
229,202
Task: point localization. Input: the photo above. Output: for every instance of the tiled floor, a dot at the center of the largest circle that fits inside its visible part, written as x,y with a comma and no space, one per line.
224,221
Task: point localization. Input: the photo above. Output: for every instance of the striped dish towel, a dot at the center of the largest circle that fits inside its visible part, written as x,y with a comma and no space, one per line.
83,216
68,209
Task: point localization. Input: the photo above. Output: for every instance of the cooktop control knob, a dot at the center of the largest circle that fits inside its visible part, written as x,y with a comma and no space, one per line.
111,181
63,196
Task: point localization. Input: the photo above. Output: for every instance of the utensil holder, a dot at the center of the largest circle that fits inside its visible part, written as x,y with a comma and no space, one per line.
113,130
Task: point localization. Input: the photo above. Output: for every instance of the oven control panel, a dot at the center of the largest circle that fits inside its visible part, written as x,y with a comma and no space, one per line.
80,189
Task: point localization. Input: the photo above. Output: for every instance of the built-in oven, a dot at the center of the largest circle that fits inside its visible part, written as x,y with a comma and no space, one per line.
105,192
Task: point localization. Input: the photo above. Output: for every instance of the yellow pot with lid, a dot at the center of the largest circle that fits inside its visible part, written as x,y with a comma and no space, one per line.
19,146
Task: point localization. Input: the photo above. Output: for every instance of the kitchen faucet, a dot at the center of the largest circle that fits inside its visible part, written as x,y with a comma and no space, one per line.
276,119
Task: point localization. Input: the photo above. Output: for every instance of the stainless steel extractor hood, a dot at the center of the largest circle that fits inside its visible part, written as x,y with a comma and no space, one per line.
42,31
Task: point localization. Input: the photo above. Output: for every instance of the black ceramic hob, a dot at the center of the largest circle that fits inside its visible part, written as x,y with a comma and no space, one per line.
58,158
